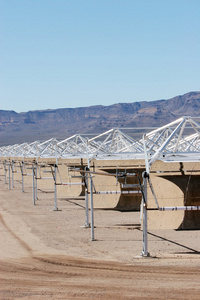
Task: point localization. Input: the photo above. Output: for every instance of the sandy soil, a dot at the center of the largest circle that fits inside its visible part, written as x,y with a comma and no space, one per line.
47,254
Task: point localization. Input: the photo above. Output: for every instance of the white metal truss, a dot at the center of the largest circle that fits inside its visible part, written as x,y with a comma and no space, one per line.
115,141
173,141
75,145
49,148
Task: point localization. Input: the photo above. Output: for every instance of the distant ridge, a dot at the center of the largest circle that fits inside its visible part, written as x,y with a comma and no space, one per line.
62,123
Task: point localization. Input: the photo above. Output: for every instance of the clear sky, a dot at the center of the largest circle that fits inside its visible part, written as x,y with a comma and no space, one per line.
73,53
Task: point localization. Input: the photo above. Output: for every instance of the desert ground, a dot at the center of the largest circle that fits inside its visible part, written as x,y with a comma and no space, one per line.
47,254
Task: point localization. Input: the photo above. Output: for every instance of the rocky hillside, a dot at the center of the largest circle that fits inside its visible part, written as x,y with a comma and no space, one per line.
62,123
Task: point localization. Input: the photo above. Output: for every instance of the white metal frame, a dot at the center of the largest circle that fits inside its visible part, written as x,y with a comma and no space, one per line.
171,143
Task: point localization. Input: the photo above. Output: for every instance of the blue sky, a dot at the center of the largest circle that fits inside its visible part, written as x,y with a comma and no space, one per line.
73,53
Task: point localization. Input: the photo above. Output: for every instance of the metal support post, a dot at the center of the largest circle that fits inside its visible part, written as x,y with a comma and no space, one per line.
145,176
144,200
91,208
5,172
55,188
36,182
33,173
12,174
9,176
22,170
87,224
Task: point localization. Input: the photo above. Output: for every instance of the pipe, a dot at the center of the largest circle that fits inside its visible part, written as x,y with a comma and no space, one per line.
174,208
118,192
91,209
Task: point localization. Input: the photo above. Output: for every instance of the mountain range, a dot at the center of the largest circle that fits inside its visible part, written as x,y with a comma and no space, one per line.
62,123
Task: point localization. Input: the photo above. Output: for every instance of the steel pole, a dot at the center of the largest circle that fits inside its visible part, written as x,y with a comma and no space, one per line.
9,176
36,182
87,224
91,208
12,174
22,170
145,241
5,171
33,173
55,188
